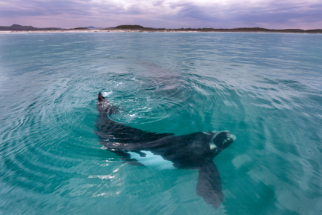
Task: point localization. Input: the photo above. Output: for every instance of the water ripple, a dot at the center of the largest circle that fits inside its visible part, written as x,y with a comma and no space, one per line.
266,89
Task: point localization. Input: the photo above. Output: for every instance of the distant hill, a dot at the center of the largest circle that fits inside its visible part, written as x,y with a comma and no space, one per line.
81,28
92,27
140,28
135,27
257,29
16,27
252,29
131,27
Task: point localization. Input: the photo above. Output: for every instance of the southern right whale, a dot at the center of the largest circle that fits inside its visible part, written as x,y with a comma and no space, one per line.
192,151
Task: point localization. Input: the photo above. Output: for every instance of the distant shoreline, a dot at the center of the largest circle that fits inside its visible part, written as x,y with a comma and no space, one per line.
15,28
157,31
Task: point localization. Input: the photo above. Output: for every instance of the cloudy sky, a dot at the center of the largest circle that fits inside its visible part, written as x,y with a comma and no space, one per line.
278,14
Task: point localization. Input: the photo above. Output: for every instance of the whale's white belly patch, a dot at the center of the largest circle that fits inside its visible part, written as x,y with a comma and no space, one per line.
155,161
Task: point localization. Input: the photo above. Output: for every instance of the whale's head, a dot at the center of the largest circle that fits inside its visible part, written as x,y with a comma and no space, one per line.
221,140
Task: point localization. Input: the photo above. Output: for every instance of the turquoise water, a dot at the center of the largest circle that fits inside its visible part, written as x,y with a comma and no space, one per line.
264,88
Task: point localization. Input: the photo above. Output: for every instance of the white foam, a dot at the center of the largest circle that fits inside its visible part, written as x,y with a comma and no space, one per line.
106,94
101,176
151,160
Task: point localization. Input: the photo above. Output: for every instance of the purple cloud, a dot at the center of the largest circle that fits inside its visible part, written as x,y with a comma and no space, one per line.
163,13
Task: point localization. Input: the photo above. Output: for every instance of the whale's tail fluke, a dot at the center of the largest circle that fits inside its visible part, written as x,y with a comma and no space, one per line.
100,97
104,106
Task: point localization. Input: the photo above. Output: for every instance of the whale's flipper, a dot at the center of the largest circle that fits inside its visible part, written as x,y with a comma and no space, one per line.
209,184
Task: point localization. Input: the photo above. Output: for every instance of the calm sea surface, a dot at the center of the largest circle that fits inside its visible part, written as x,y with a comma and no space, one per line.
266,89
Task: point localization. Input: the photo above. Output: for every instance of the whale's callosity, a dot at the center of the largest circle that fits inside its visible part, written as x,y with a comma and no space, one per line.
191,151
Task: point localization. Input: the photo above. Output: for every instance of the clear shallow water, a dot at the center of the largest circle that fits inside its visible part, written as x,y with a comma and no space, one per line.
264,88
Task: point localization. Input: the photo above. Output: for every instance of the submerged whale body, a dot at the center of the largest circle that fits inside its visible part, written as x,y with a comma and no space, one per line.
191,151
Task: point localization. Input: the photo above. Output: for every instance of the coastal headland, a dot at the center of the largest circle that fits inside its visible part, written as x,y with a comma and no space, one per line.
138,28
